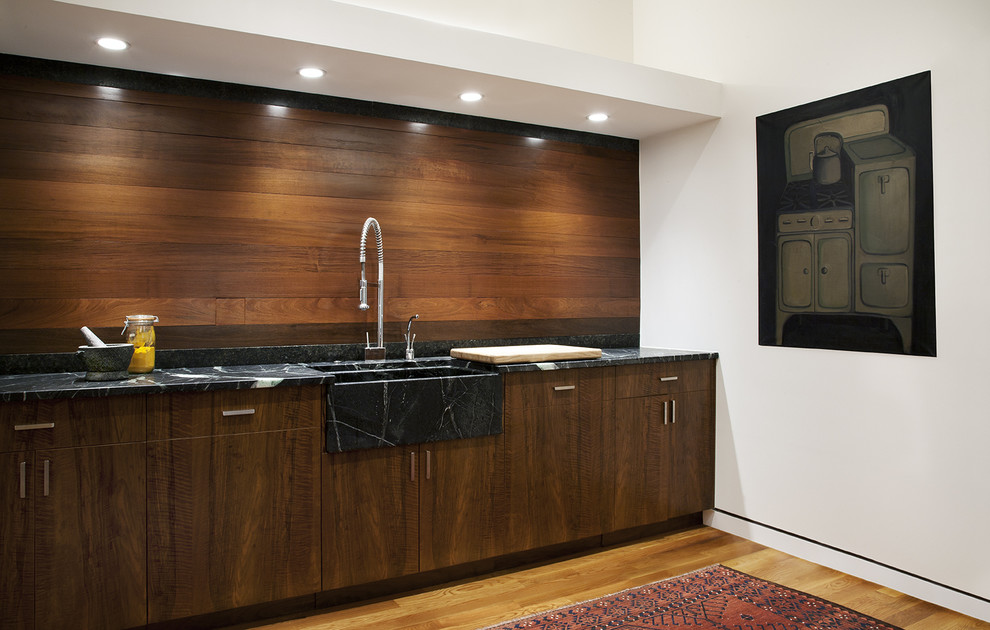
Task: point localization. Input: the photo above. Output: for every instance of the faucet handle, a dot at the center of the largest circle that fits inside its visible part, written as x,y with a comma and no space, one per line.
410,337
409,325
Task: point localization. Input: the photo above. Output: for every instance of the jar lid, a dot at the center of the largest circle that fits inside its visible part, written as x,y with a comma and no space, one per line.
139,320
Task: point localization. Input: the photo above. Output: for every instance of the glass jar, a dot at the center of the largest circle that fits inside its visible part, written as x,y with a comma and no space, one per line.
140,330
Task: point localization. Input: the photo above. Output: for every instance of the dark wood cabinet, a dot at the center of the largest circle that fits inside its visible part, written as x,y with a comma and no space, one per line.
460,502
90,554
692,454
553,458
637,461
17,548
397,511
73,514
123,511
370,516
659,442
233,499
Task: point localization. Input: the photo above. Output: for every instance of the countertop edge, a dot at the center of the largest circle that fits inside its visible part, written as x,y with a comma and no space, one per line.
15,388
26,387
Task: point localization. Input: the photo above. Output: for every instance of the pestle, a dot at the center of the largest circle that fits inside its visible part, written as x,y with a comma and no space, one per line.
92,338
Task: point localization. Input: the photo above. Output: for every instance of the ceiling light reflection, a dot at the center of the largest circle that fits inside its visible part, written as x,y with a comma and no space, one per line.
311,73
112,43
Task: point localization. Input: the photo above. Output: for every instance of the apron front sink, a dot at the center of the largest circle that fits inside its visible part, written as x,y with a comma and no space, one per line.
383,404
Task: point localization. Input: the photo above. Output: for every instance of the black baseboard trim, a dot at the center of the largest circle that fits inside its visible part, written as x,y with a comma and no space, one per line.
851,554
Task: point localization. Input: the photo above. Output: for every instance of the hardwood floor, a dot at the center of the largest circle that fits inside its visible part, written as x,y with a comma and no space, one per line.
479,602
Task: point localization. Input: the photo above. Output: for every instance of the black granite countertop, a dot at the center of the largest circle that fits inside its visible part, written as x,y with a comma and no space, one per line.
39,386
73,384
614,356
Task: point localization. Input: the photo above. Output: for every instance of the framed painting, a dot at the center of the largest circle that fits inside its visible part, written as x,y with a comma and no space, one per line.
846,240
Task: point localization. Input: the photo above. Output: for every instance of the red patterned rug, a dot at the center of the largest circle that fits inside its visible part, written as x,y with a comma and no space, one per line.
716,597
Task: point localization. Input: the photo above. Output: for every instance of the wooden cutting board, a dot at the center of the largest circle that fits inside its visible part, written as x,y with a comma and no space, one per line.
525,354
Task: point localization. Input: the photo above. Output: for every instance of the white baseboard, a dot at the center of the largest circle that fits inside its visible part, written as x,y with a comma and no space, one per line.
847,563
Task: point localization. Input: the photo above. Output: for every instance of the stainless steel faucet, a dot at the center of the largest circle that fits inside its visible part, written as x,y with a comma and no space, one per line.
410,351
378,351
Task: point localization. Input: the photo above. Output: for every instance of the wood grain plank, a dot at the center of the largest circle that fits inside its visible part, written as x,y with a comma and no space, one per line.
149,229
171,173
57,313
237,285
409,214
316,310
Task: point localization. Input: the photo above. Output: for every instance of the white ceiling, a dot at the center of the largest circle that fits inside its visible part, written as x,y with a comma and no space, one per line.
369,55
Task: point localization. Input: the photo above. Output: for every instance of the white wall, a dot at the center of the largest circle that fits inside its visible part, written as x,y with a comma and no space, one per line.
883,456
597,27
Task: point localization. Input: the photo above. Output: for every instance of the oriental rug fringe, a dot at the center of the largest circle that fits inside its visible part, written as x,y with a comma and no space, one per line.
715,597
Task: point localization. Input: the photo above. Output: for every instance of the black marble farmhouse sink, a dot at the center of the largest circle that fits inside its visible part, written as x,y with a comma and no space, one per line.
381,404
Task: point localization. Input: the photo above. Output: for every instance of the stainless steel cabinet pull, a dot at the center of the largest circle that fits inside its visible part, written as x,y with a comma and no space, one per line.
237,412
665,412
23,480
667,379
48,463
673,411
412,466
32,427
563,388
427,465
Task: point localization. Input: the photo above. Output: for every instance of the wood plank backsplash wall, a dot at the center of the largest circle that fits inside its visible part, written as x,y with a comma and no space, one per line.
238,224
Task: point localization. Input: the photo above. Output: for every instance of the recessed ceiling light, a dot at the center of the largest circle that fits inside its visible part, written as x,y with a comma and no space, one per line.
471,97
311,73
598,117
112,43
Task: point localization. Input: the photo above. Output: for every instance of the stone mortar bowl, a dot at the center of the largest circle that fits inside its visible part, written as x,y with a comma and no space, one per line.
106,363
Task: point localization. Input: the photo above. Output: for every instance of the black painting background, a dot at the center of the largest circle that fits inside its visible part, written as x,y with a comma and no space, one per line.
909,103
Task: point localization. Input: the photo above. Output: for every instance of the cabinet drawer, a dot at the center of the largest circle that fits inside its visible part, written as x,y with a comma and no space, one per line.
62,423
526,390
652,379
198,414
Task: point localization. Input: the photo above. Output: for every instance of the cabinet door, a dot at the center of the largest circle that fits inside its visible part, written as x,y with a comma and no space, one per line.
553,456
233,520
370,516
17,536
640,461
90,544
884,206
460,487
834,265
692,454
795,272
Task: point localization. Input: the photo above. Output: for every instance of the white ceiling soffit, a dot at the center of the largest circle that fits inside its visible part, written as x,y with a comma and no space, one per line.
368,54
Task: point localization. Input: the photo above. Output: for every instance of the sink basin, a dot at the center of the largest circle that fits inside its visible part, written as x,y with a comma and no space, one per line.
391,403
400,373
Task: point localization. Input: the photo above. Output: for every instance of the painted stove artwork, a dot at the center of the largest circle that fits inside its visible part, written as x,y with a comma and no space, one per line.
846,222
